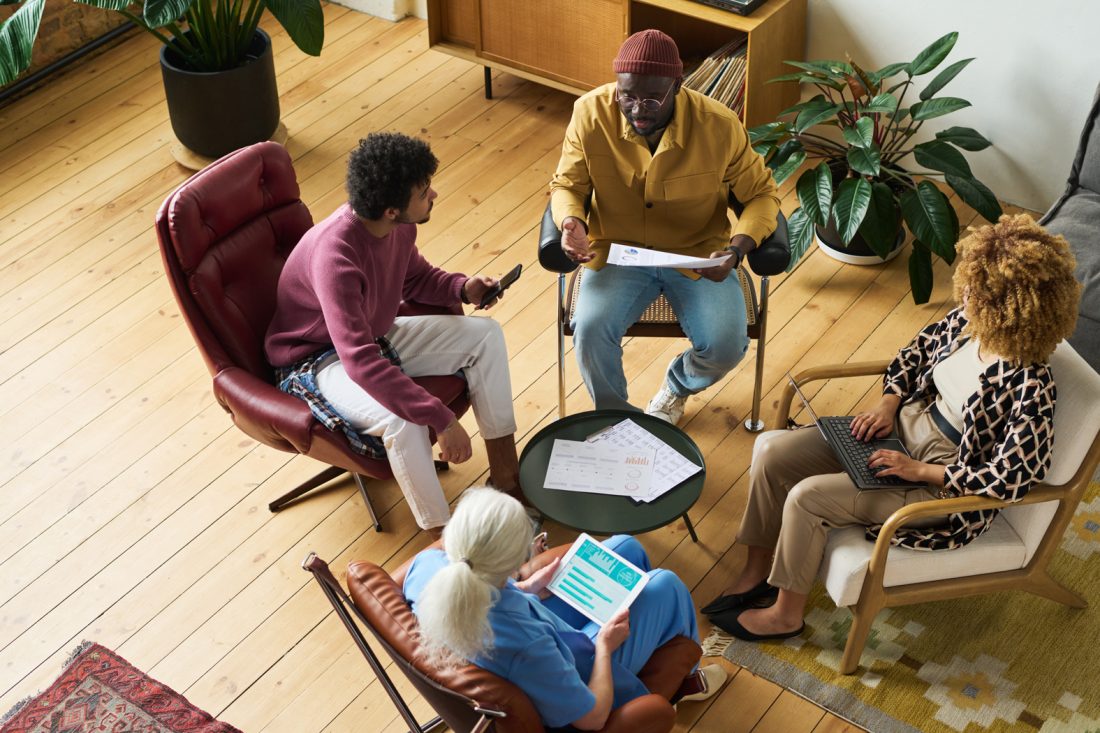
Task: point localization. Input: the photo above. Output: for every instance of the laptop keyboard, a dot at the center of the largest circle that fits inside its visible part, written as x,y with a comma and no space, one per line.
857,452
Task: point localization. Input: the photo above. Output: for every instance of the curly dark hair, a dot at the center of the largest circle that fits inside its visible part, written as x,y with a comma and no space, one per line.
1017,279
383,170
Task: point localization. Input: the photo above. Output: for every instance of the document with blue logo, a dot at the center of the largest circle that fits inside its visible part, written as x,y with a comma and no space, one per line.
596,581
628,255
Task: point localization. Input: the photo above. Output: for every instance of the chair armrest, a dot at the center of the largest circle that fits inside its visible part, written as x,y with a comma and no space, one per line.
647,714
263,411
551,256
876,569
818,373
772,256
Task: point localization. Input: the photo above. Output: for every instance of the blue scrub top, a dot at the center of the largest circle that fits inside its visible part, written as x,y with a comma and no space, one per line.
534,649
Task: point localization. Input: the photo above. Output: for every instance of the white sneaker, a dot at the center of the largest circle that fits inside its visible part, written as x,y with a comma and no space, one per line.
666,405
714,676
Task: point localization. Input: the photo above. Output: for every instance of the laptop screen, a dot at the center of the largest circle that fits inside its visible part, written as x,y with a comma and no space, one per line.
802,397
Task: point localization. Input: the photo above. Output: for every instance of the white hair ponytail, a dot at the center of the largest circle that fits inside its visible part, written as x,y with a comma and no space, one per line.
486,541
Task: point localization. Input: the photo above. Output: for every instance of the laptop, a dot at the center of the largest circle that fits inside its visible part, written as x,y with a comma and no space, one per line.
853,453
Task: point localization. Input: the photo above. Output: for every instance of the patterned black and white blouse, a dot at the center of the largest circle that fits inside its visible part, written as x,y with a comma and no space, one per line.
1007,437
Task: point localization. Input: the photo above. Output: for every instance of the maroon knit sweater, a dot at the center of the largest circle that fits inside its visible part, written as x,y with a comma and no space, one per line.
341,286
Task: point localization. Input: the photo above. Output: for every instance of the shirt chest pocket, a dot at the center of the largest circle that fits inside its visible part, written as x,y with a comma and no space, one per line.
695,186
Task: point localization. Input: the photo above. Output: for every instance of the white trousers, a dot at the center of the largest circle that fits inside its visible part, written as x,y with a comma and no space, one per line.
430,346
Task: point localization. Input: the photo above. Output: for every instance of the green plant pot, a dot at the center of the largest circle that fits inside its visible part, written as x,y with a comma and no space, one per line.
214,113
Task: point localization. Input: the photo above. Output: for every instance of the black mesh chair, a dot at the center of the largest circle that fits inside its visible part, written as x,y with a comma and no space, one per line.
770,258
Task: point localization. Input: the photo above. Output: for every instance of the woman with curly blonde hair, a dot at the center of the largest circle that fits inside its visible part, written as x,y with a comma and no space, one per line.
972,399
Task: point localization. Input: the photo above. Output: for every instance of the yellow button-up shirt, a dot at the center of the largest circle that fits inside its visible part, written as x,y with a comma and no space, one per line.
674,199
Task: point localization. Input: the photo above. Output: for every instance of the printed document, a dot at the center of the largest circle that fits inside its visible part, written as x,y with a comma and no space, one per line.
596,581
670,469
600,468
630,256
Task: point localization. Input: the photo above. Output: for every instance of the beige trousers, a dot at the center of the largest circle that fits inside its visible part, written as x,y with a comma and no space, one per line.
798,491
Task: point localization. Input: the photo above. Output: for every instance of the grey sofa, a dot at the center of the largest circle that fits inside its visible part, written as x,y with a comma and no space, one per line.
1076,216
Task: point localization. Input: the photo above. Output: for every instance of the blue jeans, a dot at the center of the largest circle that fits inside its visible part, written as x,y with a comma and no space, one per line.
612,299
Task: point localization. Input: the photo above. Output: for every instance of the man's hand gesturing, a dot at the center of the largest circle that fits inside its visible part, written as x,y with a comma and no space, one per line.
574,240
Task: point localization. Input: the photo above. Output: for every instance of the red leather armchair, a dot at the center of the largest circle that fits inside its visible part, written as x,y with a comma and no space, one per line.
224,236
470,698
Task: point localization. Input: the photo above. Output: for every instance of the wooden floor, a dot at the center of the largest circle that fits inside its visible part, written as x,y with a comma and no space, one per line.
132,513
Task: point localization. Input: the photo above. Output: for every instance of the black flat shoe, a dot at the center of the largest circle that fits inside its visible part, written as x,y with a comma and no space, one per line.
736,600
730,623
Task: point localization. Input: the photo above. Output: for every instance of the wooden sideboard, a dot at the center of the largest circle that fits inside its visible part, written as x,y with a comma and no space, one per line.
570,44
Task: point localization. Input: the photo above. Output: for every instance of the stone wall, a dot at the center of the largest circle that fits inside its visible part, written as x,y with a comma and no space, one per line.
66,26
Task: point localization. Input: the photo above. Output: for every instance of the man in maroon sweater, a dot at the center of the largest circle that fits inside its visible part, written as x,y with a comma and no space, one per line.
338,341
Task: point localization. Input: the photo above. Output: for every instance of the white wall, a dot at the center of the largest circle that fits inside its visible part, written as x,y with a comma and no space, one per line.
1036,68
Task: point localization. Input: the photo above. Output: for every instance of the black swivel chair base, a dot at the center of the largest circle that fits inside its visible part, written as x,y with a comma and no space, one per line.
330,473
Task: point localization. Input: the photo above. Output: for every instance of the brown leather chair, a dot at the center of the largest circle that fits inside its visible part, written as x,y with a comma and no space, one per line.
224,236
470,698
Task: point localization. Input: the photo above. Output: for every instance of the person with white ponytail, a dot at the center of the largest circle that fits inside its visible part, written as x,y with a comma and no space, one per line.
472,609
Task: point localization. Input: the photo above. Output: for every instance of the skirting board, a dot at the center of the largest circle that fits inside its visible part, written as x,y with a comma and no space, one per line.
388,9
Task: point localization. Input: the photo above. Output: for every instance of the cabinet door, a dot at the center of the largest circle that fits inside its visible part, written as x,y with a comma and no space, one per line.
572,41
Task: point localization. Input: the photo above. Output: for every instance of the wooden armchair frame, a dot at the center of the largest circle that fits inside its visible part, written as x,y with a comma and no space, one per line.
1032,578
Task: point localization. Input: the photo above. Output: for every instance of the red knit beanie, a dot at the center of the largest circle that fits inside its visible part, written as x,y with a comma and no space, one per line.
651,53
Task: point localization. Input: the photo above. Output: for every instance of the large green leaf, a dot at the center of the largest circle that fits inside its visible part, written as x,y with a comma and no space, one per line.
800,235
887,71
931,57
920,273
837,70
304,22
17,36
768,132
977,195
807,77
943,78
109,4
881,224
795,108
862,134
931,218
784,171
815,193
821,110
937,107
966,138
865,160
764,149
159,13
853,196
884,102
939,156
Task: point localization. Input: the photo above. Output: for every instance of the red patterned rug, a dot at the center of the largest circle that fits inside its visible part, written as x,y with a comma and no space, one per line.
100,691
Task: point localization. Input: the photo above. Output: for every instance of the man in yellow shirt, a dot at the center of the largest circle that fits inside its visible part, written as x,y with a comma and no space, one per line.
650,164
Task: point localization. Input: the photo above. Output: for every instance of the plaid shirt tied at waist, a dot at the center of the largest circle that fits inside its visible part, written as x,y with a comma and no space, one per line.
300,380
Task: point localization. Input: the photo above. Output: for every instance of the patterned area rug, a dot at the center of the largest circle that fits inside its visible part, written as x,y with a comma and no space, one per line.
1007,662
100,691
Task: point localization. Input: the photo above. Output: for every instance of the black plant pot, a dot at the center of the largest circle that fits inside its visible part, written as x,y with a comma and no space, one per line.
214,113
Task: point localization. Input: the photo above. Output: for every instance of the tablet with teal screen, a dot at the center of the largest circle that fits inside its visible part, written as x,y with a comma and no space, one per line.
596,581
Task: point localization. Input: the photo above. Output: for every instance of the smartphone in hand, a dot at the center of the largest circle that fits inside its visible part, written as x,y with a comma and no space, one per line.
503,284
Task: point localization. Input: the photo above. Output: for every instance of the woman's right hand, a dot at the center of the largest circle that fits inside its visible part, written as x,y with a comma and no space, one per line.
454,443
877,422
615,631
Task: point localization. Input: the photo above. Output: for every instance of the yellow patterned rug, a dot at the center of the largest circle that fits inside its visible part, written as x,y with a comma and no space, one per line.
1006,662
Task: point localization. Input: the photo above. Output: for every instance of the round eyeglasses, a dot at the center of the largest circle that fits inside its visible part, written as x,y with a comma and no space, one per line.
648,104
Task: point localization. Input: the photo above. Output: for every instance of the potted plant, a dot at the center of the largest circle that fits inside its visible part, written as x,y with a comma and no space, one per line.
861,127
218,67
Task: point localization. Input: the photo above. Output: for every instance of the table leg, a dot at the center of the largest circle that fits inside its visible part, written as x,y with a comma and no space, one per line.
691,528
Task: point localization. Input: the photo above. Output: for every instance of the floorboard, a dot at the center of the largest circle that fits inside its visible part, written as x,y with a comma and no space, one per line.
134,514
